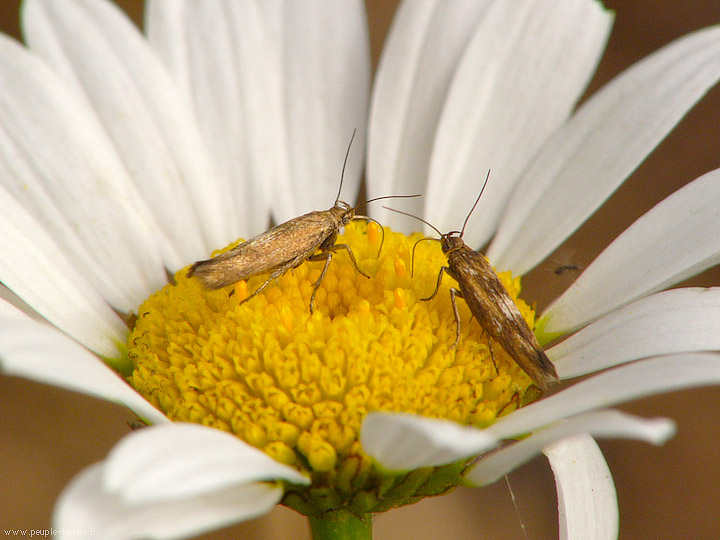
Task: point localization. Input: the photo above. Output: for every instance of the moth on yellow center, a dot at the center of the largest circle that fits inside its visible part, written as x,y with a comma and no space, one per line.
298,385
310,237
489,301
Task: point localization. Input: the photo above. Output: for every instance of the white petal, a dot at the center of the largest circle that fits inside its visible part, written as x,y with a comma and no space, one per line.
419,58
632,381
605,424
519,79
674,240
401,442
9,297
57,162
35,269
680,320
182,460
326,80
604,142
227,61
34,350
279,89
84,506
173,481
587,500
96,48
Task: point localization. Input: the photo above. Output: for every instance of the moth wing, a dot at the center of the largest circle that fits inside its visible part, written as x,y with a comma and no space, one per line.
278,249
491,304
289,243
484,292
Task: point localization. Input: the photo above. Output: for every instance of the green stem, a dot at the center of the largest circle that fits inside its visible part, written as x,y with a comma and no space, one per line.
341,526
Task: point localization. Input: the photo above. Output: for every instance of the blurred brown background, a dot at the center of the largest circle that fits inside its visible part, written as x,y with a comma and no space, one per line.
671,492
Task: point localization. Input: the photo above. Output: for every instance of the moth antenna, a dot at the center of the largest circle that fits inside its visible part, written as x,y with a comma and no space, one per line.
433,227
382,239
387,197
342,174
474,205
412,259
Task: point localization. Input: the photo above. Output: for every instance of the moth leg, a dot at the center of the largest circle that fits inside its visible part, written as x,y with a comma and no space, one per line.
490,348
335,247
258,290
276,274
453,293
437,287
327,255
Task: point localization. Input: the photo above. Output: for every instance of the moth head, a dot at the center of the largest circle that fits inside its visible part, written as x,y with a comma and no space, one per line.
345,212
451,241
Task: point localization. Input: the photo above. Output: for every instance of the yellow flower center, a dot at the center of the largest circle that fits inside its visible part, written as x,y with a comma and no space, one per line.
298,385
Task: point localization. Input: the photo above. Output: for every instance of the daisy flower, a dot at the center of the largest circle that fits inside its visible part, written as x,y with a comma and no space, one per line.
125,158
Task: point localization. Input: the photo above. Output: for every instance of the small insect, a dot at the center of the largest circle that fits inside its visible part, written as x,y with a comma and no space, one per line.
566,268
564,263
489,302
284,247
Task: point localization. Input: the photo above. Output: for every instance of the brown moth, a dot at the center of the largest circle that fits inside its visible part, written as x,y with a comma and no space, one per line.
284,247
490,303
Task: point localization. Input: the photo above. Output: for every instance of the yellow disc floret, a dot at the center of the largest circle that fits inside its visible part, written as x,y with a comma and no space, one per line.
297,385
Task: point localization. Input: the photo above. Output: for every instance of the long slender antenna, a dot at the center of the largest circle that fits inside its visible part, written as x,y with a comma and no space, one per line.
342,174
387,197
474,205
418,218
412,258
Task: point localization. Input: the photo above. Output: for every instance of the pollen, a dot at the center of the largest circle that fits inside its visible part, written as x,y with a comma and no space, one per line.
241,290
298,385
